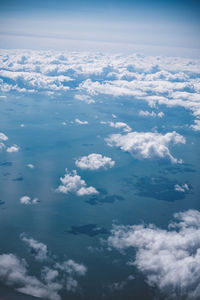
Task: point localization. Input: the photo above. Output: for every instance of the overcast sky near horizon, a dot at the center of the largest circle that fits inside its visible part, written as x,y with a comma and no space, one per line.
152,27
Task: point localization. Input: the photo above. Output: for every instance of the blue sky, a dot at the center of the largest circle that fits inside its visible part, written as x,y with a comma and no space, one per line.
152,27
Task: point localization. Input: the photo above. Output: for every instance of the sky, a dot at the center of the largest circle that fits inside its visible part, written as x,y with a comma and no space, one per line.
151,27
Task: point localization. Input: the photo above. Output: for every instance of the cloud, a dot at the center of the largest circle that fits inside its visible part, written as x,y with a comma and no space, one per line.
31,166
81,122
27,200
169,259
71,268
55,277
71,182
94,161
147,145
118,125
2,146
3,137
181,188
84,98
14,272
196,126
13,148
38,249
146,113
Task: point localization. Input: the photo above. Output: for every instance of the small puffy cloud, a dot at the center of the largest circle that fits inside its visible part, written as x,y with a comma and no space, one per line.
22,125
72,268
64,123
146,145
72,182
81,122
120,125
170,259
3,137
146,113
13,148
28,201
94,161
38,249
31,166
196,125
181,188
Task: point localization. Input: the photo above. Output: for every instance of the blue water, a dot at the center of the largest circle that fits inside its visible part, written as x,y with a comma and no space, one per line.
128,195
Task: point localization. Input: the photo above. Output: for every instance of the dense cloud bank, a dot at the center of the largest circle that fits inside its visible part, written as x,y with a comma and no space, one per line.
169,259
157,80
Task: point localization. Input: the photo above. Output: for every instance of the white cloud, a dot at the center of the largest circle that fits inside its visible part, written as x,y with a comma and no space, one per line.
181,188
196,126
81,122
120,125
31,166
27,200
94,161
84,98
2,146
170,259
3,137
144,145
14,272
72,269
13,148
60,276
71,182
38,249
146,113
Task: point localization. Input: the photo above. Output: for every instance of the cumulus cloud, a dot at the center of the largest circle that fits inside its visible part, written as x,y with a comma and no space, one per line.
94,161
13,148
3,137
169,259
38,249
146,113
28,201
72,182
145,145
81,122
